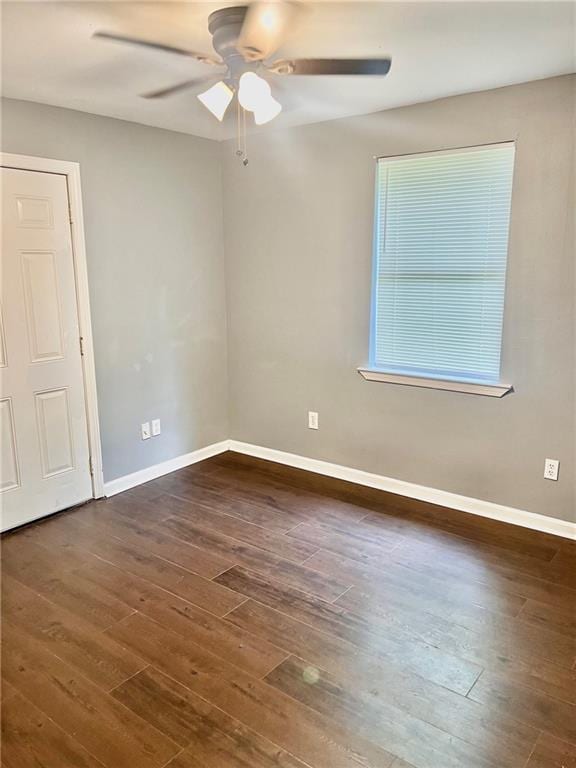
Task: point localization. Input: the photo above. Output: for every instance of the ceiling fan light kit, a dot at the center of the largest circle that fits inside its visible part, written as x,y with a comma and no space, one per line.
244,37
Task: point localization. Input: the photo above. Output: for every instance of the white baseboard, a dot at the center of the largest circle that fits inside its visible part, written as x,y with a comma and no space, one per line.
157,470
423,493
401,487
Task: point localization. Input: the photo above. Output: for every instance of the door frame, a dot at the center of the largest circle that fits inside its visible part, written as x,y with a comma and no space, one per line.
72,173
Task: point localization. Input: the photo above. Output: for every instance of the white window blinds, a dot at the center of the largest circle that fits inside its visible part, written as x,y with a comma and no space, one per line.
441,242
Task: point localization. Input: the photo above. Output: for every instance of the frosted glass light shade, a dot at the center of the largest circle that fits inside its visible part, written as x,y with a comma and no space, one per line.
267,111
253,91
217,99
255,95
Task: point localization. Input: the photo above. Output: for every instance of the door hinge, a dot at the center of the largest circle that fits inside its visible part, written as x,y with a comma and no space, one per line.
81,346
70,217
91,466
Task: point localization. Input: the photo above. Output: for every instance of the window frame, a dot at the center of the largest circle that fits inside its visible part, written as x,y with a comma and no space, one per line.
372,372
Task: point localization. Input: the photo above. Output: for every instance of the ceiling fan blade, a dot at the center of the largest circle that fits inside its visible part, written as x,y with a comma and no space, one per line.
205,58
331,67
264,28
163,92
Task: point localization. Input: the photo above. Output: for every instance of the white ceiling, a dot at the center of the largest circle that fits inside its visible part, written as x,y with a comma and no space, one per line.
438,49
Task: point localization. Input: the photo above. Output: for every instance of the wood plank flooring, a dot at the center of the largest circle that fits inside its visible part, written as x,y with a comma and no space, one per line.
242,614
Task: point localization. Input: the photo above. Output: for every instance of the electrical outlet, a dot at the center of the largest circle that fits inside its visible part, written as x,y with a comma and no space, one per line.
551,467
156,429
312,420
145,427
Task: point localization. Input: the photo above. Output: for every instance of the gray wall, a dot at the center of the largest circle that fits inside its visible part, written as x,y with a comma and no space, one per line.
153,217
298,236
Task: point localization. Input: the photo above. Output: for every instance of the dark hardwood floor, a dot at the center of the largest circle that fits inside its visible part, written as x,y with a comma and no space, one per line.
241,614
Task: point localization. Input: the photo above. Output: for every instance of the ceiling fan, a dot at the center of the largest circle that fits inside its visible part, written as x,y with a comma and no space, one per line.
244,38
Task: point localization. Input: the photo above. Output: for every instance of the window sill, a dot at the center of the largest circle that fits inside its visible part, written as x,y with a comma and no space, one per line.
489,390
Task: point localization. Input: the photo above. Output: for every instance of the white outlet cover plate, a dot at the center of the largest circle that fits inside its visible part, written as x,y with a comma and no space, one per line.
145,427
156,427
312,420
551,467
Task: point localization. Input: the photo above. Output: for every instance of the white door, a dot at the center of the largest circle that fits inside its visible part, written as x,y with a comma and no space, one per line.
44,452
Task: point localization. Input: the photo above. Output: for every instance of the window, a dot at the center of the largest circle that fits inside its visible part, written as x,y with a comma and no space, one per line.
441,243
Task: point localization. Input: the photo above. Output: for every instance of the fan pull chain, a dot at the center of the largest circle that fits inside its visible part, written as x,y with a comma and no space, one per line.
241,146
245,137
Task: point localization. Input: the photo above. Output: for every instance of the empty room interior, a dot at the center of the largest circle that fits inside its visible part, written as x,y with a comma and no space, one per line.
288,368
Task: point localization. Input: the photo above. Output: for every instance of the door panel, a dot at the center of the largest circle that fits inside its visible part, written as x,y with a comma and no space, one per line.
35,212
43,429
42,305
10,475
3,360
54,433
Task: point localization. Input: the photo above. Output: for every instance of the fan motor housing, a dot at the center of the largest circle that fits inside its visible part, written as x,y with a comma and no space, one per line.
225,25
